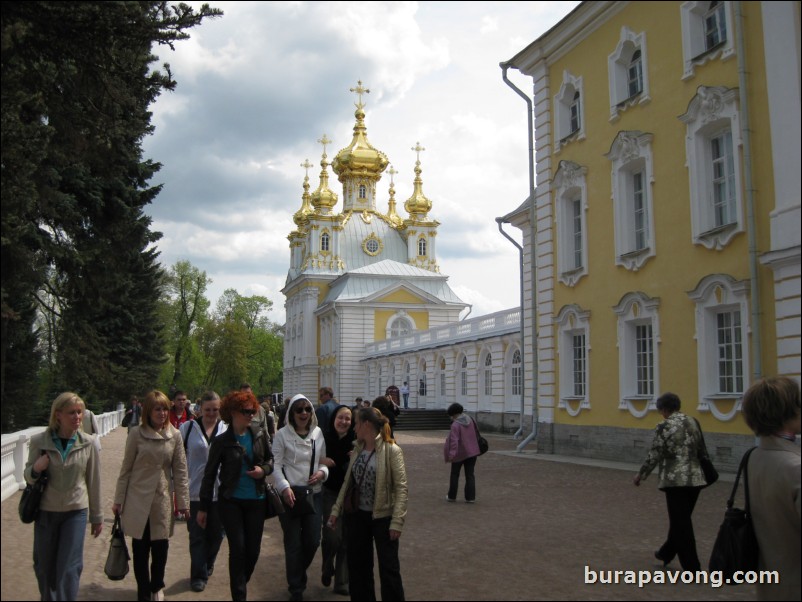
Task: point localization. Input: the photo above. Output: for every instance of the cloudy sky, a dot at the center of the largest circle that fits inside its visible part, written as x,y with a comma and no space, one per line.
259,86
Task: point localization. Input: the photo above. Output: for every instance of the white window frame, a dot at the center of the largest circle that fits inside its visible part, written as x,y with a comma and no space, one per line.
563,102
441,377
399,317
618,65
516,374
712,110
637,309
463,387
421,247
423,382
362,192
486,375
694,45
570,185
572,321
631,153
716,294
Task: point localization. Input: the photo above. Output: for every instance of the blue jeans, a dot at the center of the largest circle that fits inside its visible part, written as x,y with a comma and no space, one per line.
58,553
470,480
362,532
301,541
244,521
204,544
406,401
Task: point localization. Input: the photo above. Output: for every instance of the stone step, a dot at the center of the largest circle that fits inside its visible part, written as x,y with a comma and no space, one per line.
422,420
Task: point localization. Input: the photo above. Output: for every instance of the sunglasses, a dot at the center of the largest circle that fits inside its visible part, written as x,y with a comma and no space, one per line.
303,410
248,412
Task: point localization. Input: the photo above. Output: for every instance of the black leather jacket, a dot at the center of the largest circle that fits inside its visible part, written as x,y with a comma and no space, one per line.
228,455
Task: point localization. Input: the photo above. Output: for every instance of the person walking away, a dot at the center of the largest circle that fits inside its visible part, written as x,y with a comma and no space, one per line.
675,449
73,492
204,543
377,469
133,416
299,449
154,462
242,456
461,449
771,408
339,444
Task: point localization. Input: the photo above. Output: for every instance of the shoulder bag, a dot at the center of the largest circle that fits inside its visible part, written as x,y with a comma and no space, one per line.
31,498
736,548
304,494
483,445
274,504
710,472
351,499
117,561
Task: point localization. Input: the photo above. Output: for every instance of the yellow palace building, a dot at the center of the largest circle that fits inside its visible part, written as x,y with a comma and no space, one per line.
662,232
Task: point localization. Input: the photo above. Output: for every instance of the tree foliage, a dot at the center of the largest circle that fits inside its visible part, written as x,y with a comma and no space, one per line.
77,247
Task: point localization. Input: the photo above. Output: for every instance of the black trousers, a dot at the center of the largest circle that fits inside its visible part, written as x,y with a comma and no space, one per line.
681,541
361,533
470,480
151,580
243,521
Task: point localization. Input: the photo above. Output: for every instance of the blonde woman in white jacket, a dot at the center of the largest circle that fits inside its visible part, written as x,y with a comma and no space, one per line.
298,449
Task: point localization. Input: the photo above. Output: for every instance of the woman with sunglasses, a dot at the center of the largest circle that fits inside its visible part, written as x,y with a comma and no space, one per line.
299,450
242,456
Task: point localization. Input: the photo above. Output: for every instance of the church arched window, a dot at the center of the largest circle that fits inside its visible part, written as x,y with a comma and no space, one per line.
363,191
401,327
324,242
421,247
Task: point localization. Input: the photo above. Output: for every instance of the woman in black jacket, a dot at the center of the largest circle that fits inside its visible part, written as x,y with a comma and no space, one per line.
339,443
243,456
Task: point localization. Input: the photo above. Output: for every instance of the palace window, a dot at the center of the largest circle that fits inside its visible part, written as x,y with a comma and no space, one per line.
487,375
421,247
400,325
422,384
638,352
463,377
712,141
324,241
706,28
569,117
442,378
631,158
573,325
722,320
628,73
571,205
363,191
517,374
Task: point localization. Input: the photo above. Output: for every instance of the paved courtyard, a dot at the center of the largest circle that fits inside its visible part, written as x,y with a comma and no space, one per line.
538,522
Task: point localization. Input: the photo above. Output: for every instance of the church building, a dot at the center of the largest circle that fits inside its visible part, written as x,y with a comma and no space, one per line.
358,274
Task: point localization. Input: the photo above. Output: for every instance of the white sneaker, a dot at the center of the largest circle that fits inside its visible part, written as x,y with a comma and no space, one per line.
159,595
448,499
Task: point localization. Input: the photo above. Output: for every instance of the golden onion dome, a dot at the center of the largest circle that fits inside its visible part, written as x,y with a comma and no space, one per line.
359,158
418,205
324,198
301,216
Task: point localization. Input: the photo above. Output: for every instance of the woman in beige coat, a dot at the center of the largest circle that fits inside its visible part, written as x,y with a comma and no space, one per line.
154,458
771,408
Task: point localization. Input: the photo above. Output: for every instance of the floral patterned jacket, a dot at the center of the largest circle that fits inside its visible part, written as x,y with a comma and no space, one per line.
675,449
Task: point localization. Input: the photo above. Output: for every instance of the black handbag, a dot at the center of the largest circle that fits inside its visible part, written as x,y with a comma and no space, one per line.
483,445
304,494
117,560
31,498
736,547
273,500
710,472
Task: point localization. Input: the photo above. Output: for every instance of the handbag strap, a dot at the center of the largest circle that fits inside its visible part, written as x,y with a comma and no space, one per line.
741,468
311,462
476,428
702,452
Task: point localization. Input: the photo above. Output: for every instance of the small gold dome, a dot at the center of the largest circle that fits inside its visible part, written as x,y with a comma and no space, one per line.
359,158
418,205
324,198
301,216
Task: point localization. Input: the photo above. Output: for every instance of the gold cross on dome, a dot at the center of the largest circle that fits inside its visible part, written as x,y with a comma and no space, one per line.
306,165
359,90
392,171
324,141
418,148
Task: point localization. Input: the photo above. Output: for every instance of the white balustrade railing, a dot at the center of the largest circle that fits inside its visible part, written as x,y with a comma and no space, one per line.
483,327
15,450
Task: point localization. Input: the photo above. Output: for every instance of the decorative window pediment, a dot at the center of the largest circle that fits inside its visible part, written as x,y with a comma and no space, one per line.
570,194
573,346
638,352
569,122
